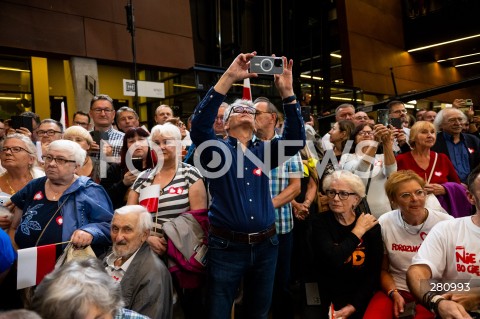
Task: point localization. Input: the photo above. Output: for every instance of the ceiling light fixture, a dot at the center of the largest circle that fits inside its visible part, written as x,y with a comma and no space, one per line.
458,57
443,43
344,99
311,77
9,98
465,64
336,55
13,69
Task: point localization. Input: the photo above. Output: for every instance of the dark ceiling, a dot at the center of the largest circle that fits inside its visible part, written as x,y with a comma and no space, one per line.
436,21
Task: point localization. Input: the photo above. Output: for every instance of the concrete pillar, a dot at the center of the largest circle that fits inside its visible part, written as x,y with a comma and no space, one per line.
85,81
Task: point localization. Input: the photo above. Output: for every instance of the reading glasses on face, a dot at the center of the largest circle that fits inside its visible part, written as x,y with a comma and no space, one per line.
418,193
99,111
14,149
243,109
48,132
341,194
60,161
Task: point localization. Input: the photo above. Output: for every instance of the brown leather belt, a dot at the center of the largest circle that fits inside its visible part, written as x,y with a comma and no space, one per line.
247,238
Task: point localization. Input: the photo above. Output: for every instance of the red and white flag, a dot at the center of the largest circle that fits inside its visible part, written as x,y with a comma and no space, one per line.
247,91
34,264
148,197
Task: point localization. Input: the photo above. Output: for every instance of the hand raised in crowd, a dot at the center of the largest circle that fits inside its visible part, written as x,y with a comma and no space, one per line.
81,238
435,189
24,131
382,133
458,103
399,134
364,223
158,244
237,71
284,81
129,178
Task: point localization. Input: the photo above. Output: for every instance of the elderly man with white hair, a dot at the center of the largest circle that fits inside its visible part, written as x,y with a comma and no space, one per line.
145,281
462,149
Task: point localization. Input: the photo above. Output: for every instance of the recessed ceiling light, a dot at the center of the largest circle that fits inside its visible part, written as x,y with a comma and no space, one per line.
443,43
465,64
459,57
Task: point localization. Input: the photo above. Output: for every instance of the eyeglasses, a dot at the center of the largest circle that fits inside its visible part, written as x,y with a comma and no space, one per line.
420,193
48,132
60,161
99,111
400,111
14,149
102,97
244,109
366,133
341,194
181,124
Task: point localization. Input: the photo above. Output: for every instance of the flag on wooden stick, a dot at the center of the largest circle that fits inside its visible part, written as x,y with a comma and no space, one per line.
35,263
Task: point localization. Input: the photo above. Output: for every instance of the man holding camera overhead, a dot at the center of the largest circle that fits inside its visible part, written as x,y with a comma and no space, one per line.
242,238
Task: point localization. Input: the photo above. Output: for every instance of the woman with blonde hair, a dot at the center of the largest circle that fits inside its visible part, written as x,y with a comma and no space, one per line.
83,138
403,231
436,169
19,159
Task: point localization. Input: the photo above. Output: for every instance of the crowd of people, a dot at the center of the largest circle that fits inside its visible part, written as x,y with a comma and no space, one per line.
239,205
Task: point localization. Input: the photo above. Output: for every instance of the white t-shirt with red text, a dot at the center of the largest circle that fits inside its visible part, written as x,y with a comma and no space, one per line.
402,244
452,250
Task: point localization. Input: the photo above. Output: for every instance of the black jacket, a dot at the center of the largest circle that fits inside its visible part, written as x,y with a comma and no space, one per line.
472,143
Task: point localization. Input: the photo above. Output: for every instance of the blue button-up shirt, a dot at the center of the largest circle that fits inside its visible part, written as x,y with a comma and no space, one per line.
241,199
459,155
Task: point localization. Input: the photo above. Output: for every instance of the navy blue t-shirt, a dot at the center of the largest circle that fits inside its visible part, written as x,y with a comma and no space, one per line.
35,218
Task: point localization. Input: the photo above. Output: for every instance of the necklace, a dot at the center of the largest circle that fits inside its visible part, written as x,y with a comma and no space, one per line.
12,191
405,224
55,194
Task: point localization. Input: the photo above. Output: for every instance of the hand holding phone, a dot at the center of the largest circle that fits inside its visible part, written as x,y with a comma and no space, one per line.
408,311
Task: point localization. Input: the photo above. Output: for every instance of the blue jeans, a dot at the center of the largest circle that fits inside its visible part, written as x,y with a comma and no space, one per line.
228,263
282,304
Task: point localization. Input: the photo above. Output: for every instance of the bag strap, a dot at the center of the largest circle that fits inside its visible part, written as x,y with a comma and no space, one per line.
433,168
51,218
369,180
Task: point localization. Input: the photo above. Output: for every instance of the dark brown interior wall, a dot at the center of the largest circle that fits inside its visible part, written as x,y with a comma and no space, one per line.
97,29
375,41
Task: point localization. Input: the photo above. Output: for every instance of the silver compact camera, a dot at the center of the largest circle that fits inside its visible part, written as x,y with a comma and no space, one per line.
266,65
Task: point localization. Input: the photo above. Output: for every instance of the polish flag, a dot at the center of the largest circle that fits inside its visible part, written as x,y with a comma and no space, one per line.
247,91
148,197
34,264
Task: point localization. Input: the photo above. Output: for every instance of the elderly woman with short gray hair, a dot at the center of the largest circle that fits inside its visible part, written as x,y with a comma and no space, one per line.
348,248
62,206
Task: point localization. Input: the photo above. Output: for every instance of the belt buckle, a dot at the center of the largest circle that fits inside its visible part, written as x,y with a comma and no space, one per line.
250,235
